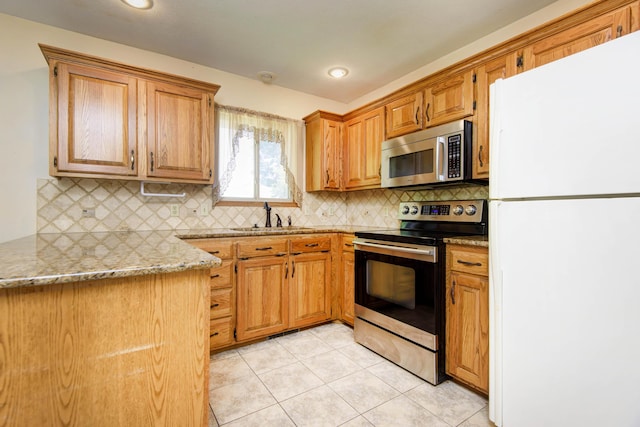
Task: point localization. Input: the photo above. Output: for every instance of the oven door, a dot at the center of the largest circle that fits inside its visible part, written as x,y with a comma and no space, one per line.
399,288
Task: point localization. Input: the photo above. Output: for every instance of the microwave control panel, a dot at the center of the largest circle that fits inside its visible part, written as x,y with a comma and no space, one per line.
454,157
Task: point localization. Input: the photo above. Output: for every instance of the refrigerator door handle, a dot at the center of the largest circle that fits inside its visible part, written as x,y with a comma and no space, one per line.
440,158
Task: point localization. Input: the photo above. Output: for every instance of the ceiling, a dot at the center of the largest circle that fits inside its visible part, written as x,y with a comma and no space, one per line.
298,41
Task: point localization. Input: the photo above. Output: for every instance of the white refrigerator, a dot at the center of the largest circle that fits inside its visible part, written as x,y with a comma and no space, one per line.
564,239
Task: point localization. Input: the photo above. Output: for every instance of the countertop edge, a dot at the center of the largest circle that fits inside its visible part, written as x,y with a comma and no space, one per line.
480,241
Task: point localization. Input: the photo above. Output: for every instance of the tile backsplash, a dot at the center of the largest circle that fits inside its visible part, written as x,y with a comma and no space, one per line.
80,205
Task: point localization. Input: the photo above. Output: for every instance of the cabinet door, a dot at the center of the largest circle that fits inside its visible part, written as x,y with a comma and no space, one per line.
331,154
584,36
362,149
96,126
262,299
348,283
487,73
467,340
179,132
310,288
448,100
404,115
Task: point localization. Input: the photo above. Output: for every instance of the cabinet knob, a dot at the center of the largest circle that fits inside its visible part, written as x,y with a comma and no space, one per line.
133,160
151,156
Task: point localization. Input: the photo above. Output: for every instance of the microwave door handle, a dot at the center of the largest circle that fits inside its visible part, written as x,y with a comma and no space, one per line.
440,158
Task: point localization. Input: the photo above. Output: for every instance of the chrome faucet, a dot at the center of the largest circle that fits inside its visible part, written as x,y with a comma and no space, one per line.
268,209
278,221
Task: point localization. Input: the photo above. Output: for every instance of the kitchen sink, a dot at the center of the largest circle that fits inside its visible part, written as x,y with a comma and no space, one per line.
270,229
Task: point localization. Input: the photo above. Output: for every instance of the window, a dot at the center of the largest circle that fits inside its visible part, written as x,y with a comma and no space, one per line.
257,157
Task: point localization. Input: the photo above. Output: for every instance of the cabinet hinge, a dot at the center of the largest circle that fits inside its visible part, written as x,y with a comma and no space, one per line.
520,61
209,101
475,77
474,105
210,173
235,335
235,268
55,71
55,162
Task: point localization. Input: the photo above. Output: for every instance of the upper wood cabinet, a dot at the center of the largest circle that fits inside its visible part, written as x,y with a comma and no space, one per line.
450,99
362,150
486,74
596,31
323,149
179,131
404,115
96,124
111,120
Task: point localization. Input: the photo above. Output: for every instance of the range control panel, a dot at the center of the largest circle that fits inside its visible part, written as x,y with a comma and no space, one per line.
455,211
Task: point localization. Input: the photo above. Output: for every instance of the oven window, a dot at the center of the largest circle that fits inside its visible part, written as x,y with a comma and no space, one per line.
392,283
416,163
401,288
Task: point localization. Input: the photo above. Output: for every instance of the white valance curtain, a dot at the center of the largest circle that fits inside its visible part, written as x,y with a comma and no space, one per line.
234,123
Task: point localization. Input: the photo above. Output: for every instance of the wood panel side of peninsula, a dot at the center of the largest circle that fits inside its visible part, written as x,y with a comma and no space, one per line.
120,351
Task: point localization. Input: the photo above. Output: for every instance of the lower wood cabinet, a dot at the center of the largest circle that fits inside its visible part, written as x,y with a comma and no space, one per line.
309,289
467,336
223,291
348,279
262,297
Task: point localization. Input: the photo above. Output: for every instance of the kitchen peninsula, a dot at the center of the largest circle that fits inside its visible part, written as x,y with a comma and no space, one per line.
104,328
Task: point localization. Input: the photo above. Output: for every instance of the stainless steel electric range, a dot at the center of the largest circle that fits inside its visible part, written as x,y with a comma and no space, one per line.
400,283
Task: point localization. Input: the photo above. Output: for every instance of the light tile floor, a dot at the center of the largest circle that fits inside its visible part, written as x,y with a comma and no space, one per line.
321,377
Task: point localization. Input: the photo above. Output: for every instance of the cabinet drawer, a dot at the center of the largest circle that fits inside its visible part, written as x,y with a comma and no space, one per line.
221,302
347,242
221,332
310,244
221,276
223,249
470,261
262,247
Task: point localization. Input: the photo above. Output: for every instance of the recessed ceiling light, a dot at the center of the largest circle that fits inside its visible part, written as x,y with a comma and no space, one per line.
139,4
338,72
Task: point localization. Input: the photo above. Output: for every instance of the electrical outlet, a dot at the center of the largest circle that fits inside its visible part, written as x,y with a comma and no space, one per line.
204,210
331,212
175,210
88,213
386,211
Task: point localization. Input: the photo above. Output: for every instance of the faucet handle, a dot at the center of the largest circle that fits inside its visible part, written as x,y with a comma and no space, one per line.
278,221
289,220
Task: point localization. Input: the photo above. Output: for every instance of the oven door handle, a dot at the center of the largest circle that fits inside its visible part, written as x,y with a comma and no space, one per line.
399,251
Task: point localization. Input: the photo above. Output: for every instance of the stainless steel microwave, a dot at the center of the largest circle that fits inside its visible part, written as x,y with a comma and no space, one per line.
430,157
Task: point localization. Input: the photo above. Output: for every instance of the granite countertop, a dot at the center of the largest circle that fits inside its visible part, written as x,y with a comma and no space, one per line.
51,258
482,241
262,231
45,259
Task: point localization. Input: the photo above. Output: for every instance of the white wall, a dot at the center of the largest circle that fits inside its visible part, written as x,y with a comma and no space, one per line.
24,97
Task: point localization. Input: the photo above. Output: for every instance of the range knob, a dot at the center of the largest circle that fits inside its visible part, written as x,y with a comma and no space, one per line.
458,210
414,210
405,210
471,209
